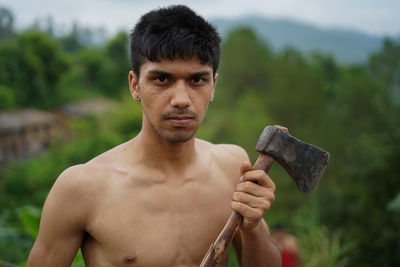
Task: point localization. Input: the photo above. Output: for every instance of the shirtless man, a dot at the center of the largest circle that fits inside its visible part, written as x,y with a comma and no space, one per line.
161,198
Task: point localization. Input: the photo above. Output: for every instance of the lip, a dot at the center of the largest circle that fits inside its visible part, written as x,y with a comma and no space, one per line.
180,121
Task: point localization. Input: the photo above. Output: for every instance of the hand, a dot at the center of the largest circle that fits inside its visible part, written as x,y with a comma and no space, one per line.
253,196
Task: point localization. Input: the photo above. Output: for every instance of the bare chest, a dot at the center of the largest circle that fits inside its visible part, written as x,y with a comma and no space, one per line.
158,224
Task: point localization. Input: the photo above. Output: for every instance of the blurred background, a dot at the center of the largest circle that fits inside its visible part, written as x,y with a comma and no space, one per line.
329,71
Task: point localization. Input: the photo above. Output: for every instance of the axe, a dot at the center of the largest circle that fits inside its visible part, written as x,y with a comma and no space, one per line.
305,163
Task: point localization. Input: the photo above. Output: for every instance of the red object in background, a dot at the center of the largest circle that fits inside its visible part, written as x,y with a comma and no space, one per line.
289,259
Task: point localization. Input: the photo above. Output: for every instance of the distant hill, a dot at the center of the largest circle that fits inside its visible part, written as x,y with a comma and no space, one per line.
346,46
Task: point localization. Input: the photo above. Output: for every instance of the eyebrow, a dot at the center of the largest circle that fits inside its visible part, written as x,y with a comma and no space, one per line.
201,73
167,74
159,73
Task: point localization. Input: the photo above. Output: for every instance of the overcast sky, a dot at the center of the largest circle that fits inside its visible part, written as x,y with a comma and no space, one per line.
377,17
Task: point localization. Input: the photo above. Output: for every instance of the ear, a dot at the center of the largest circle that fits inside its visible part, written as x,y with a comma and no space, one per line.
134,85
214,85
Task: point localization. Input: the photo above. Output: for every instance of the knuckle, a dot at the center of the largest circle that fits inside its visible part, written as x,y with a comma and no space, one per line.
260,214
239,188
234,205
237,206
238,196
234,196
273,186
246,178
260,173
245,175
270,197
257,214
251,175
264,205
247,185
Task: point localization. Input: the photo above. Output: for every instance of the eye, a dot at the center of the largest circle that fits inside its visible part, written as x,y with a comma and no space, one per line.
160,79
197,79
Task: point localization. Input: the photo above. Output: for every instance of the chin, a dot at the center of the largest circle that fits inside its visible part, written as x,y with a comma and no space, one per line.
177,137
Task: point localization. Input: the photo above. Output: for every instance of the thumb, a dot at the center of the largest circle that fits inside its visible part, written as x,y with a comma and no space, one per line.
245,167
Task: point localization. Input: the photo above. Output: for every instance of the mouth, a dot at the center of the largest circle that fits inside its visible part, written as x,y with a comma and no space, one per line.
180,120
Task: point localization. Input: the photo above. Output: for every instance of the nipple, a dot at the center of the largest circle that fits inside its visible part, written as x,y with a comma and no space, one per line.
130,258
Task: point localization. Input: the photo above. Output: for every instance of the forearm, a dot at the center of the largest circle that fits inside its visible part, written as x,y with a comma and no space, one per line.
257,248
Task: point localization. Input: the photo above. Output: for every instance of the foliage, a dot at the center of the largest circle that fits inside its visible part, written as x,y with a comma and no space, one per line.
36,71
32,65
13,241
6,24
352,111
348,110
29,217
385,65
318,245
7,97
394,205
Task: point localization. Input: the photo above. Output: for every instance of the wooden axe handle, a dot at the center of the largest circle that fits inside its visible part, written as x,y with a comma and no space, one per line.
219,247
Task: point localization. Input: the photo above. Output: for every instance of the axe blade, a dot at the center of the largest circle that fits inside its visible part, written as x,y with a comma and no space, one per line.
304,162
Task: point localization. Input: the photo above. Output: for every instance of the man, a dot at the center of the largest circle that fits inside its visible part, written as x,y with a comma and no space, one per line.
287,245
161,198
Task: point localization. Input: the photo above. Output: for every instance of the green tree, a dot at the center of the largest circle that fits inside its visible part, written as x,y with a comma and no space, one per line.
7,97
6,24
385,67
244,62
71,42
105,70
347,110
361,132
118,63
32,65
243,69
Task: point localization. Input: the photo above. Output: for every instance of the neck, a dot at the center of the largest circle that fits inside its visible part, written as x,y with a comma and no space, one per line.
158,153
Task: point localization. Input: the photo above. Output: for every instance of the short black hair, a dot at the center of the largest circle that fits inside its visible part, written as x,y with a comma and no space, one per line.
278,227
171,32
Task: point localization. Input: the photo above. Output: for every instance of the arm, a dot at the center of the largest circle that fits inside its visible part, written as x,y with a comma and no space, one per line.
253,243
62,223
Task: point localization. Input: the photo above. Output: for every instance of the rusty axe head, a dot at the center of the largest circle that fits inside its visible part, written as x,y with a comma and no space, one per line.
305,163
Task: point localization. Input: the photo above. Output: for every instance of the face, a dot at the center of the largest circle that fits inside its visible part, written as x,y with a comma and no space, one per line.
174,96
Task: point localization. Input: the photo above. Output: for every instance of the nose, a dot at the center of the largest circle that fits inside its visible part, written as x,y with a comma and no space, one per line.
180,96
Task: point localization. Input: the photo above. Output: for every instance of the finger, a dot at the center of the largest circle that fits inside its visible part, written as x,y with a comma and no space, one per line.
252,189
246,211
260,177
245,167
262,203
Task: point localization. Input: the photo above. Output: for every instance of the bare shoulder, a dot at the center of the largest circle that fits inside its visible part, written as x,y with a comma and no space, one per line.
227,157
77,178
226,153
75,184
233,152
72,197
88,178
